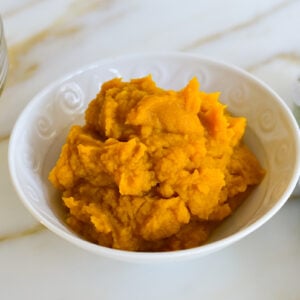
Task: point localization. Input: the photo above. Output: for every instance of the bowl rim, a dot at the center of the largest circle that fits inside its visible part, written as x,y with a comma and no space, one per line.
155,256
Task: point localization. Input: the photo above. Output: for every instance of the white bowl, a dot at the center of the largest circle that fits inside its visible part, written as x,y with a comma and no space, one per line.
42,127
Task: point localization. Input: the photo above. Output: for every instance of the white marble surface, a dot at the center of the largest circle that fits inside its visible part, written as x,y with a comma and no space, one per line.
46,39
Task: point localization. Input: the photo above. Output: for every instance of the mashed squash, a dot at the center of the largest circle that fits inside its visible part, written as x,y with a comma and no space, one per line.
153,169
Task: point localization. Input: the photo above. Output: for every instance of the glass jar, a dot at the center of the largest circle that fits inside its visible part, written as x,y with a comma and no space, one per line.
296,99
3,58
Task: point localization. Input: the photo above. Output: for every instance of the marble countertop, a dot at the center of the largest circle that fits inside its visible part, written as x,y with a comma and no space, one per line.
45,40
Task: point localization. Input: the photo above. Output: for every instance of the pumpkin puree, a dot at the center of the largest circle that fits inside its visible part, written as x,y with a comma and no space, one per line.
153,170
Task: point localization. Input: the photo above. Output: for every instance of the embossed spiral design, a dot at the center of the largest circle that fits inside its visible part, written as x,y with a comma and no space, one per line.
31,159
115,72
186,75
237,95
31,193
281,153
70,98
278,189
159,73
45,127
200,74
267,120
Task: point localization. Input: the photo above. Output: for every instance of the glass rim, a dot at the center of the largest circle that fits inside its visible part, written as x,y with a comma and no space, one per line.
3,57
1,27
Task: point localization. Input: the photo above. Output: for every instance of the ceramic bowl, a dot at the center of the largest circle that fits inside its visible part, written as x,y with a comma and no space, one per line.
42,127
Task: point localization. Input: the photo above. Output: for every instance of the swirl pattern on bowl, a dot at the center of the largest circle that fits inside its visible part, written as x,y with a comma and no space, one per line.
70,98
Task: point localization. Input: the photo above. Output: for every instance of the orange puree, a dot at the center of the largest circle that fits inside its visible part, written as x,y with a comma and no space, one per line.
153,169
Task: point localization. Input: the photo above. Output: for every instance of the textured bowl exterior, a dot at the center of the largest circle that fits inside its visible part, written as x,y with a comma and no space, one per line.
42,127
